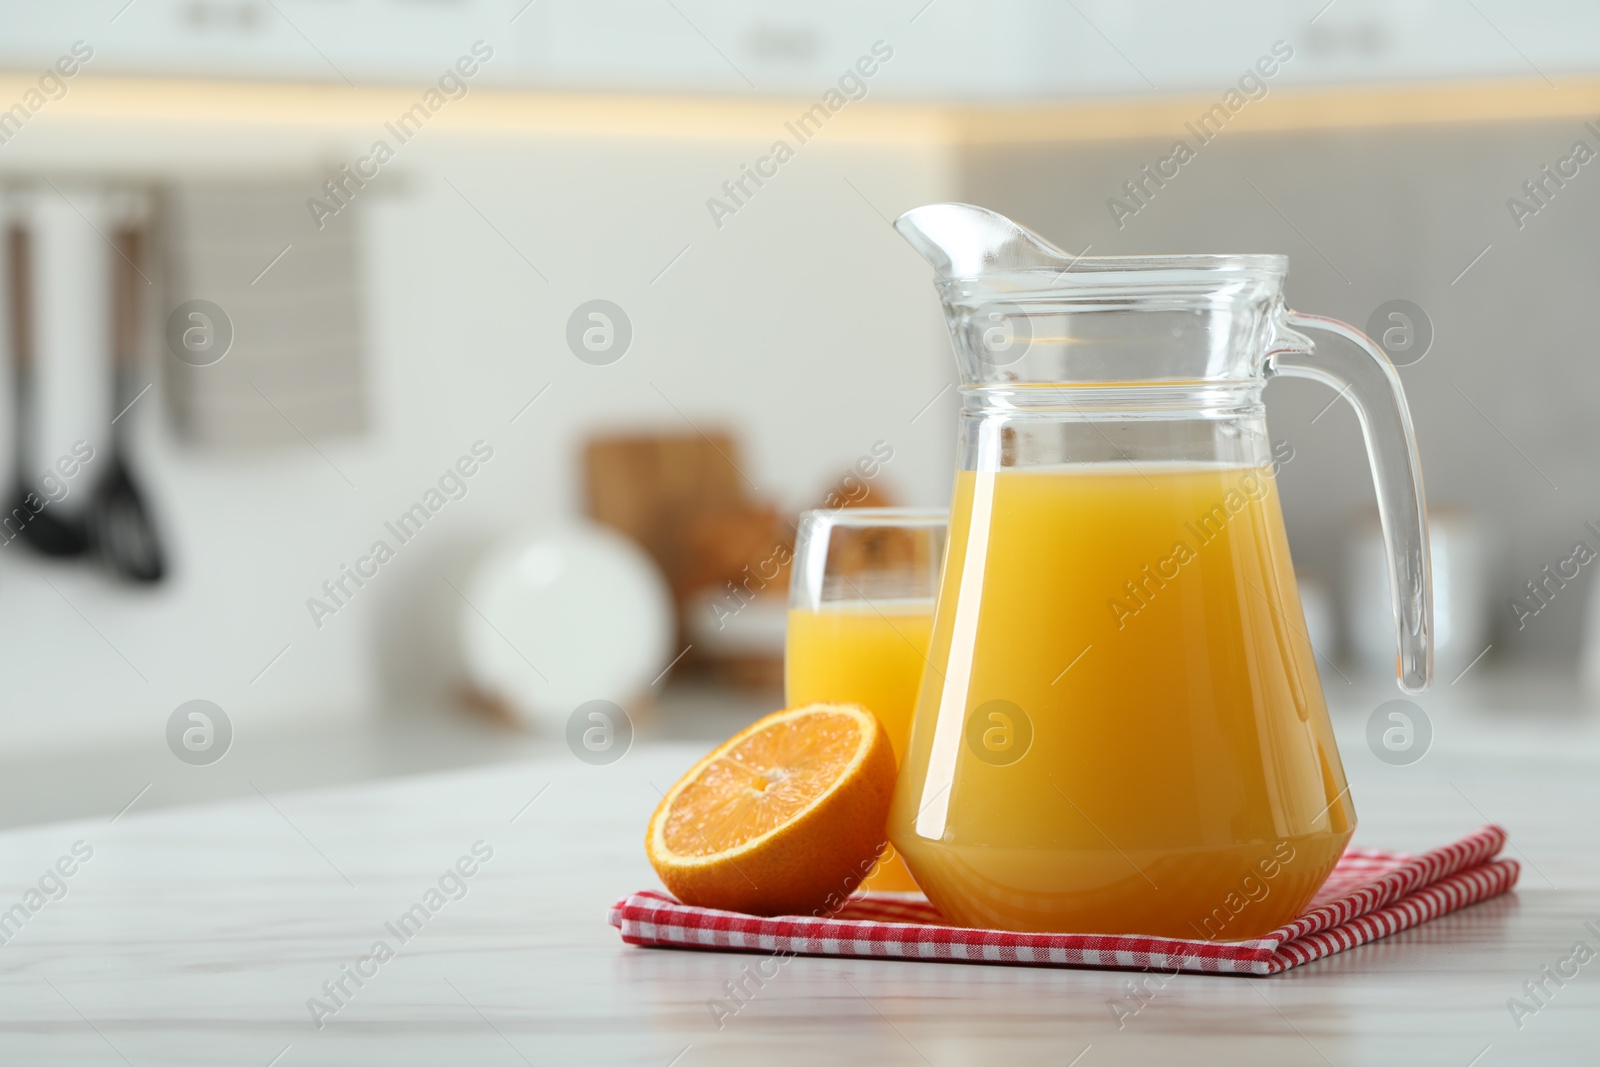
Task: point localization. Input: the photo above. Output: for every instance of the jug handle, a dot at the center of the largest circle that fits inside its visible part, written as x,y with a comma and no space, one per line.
1369,381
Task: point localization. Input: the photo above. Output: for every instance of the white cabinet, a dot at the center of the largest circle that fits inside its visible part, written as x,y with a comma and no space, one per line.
1015,49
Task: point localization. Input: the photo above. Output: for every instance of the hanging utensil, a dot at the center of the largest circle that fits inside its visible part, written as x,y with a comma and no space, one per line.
121,528
39,526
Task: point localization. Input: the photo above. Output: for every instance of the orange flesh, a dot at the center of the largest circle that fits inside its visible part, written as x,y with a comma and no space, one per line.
761,783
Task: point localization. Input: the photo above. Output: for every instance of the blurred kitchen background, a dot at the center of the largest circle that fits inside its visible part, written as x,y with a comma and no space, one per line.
560,258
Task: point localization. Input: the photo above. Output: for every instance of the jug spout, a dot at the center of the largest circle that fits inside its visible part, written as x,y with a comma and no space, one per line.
964,241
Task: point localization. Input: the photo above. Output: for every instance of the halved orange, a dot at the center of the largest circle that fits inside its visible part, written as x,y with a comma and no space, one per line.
784,818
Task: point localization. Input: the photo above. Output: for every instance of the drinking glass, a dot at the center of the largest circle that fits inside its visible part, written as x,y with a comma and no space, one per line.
860,615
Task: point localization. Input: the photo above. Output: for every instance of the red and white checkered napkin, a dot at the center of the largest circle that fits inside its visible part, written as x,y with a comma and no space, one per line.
1370,894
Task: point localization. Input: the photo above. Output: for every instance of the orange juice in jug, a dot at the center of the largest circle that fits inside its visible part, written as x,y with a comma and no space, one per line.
1136,738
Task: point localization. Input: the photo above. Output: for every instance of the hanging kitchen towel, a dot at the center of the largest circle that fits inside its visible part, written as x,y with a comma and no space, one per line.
247,260
1370,894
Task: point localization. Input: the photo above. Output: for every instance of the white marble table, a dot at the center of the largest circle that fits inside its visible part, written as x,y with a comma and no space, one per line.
197,935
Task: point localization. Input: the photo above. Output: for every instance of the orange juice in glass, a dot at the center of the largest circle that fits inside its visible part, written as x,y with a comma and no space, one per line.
860,619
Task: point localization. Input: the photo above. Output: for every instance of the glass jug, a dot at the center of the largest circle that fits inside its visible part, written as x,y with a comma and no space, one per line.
1120,727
